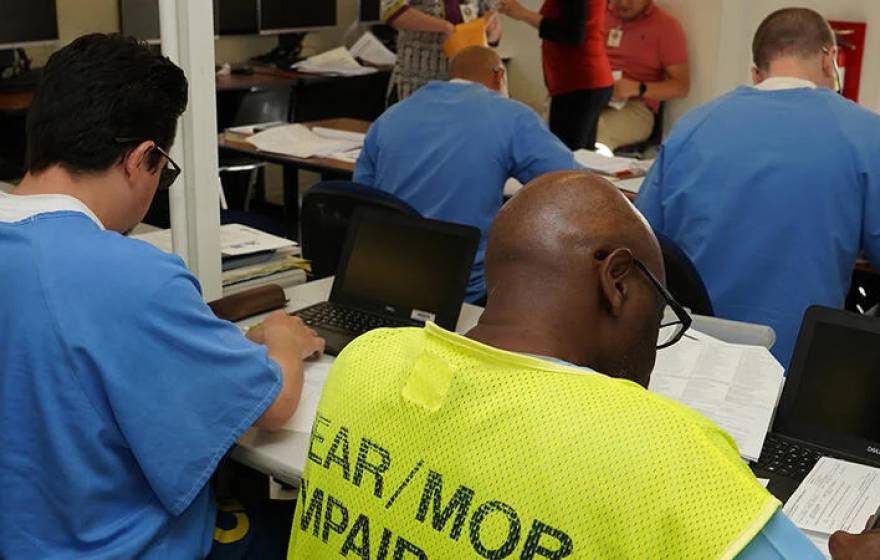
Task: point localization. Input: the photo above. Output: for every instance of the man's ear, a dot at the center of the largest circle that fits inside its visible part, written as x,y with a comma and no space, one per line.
137,161
757,76
613,279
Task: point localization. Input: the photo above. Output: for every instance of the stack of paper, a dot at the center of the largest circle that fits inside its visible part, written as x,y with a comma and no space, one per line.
336,62
235,240
836,495
734,385
371,50
298,141
613,166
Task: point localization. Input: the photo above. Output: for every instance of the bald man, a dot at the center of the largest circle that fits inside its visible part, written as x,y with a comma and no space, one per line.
448,149
533,436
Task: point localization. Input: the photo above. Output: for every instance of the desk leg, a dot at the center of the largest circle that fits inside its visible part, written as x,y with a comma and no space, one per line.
291,201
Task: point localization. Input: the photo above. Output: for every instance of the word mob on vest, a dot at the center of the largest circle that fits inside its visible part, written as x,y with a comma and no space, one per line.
492,527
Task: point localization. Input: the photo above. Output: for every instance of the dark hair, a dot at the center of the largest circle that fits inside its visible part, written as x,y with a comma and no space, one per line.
790,32
95,90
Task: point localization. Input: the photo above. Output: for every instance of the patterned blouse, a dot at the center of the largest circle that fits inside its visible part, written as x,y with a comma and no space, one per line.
420,57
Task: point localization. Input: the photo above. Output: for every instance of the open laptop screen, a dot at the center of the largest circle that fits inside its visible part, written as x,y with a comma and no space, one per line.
834,394
405,266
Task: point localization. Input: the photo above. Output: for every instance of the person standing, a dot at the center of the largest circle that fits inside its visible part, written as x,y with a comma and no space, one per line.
423,26
576,67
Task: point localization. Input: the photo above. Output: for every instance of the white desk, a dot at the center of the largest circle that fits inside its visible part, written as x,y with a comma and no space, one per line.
282,455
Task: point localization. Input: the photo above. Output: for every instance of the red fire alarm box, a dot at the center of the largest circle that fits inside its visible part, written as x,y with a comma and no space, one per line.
851,50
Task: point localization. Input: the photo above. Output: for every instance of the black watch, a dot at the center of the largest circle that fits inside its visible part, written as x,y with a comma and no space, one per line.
643,87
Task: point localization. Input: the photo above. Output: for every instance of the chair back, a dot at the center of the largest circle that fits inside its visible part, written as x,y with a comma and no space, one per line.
683,279
327,208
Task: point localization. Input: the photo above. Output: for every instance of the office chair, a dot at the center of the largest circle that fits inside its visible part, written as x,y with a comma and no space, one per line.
683,279
237,108
327,208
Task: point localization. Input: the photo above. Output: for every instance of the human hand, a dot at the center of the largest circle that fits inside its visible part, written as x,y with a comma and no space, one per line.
624,88
493,26
864,546
283,329
511,8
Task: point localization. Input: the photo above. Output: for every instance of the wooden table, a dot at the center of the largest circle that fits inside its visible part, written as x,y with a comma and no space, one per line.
327,168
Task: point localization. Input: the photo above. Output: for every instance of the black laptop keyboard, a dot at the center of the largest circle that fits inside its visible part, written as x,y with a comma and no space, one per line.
785,457
355,321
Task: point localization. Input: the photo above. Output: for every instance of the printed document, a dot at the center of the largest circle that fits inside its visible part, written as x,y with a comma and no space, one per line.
734,385
836,495
371,50
298,141
235,240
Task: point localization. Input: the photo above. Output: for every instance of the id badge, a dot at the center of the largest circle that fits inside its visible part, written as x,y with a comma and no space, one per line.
469,12
615,37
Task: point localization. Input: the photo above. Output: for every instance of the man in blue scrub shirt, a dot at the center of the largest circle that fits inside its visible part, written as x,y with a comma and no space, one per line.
448,149
773,190
119,389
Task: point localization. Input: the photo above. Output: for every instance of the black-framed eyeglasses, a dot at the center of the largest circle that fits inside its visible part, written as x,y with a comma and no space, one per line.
169,173
671,330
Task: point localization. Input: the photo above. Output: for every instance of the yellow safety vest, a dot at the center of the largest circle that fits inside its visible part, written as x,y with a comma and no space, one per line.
428,445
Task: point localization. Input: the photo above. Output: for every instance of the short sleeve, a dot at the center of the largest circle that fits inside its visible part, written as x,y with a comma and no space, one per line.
780,540
673,47
365,167
871,212
649,201
392,9
535,150
182,386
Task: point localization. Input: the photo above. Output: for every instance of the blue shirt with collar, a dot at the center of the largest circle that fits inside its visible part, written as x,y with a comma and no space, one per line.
119,393
447,151
772,194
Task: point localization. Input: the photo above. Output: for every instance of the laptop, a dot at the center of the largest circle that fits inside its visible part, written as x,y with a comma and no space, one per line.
830,405
395,271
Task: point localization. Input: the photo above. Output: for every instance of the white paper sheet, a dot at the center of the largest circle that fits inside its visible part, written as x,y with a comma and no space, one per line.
235,240
371,50
614,166
735,386
836,495
314,377
298,141
336,62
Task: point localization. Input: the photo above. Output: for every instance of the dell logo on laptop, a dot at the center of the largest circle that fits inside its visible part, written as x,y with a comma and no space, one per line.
390,309
874,450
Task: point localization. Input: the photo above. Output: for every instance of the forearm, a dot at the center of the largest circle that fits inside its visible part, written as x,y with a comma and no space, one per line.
416,20
284,405
666,90
531,18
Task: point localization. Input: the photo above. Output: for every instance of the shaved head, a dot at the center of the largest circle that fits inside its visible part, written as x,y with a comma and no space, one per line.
477,64
562,281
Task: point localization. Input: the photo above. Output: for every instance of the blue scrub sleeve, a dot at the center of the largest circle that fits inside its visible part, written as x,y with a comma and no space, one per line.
535,150
365,167
871,213
182,386
649,200
780,540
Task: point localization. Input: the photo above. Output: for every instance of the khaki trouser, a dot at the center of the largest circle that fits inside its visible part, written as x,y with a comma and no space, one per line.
630,125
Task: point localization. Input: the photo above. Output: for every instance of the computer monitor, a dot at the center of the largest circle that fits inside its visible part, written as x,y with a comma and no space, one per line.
27,23
140,19
369,11
236,17
289,16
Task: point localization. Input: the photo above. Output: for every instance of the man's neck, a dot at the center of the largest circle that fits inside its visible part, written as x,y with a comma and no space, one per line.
57,181
789,68
527,339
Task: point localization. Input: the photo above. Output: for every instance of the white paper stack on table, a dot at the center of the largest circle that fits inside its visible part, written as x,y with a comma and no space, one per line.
836,495
335,62
283,267
734,385
314,377
613,166
299,141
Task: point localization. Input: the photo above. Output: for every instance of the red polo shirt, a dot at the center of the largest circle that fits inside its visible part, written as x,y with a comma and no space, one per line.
650,43
569,68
